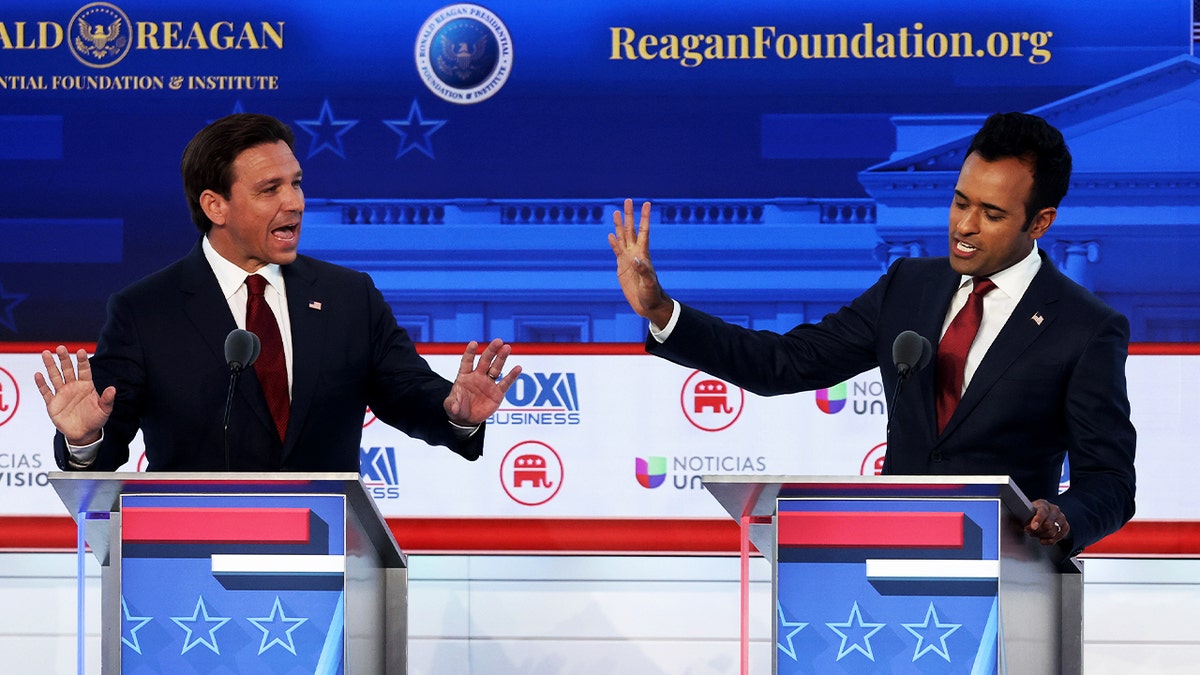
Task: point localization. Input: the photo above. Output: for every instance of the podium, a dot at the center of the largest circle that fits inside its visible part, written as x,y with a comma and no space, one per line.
248,572
906,574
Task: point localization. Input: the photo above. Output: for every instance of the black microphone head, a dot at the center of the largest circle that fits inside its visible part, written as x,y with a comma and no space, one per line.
926,354
911,352
241,348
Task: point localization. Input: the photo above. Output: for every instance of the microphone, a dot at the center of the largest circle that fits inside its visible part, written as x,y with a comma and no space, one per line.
911,352
241,350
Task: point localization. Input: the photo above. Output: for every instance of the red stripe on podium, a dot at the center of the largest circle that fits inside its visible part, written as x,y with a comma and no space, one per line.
603,536
1151,538
207,525
853,529
611,536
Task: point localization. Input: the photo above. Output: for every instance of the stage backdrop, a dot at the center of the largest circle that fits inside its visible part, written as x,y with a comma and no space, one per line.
627,435
469,156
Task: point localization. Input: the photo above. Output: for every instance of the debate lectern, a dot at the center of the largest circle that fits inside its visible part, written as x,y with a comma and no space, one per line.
906,574
245,573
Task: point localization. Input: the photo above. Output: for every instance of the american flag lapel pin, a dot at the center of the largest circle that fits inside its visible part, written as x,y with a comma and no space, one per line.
316,304
1037,317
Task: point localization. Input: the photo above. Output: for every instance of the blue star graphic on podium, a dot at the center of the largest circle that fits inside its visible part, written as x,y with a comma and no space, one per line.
936,632
8,301
186,622
415,131
855,625
127,627
277,625
796,627
326,132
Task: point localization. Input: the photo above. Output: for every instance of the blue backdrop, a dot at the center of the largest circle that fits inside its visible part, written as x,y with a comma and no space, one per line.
751,125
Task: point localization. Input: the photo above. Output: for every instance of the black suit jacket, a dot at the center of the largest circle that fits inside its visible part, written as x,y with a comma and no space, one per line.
1045,389
163,348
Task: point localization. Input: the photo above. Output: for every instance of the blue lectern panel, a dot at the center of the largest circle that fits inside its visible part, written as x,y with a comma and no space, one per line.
233,583
895,585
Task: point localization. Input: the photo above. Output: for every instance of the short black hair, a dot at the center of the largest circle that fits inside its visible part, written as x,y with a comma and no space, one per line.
207,162
1032,139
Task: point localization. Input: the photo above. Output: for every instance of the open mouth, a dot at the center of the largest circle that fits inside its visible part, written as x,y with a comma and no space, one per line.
964,247
286,233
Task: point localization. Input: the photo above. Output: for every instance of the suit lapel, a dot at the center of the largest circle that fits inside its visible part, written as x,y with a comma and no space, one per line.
208,311
1032,315
204,304
308,340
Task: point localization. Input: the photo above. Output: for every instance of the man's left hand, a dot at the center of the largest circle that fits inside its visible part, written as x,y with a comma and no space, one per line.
1048,524
479,387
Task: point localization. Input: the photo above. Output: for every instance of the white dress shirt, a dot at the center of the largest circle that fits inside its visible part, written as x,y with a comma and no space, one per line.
232,280
998,306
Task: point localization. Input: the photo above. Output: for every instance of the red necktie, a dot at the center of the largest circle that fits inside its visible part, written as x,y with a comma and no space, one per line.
952,351
270,366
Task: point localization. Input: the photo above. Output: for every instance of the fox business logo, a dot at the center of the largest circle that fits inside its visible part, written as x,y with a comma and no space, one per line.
101,35
379,471
541,399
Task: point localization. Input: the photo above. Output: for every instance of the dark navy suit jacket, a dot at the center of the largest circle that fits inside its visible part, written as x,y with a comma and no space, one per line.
1048,387
163,348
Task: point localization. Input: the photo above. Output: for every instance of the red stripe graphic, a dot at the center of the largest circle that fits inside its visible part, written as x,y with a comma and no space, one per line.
209,525
605,536
578,348
837,529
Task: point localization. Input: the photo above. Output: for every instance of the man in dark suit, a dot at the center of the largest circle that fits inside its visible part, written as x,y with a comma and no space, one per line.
1042,379
330,345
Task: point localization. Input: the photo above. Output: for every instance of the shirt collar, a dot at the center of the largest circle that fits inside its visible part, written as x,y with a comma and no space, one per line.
231,277
1013,281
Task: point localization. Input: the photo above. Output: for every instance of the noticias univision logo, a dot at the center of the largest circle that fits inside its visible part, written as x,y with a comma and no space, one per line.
864,396
688,471
832,400
547,399
651,472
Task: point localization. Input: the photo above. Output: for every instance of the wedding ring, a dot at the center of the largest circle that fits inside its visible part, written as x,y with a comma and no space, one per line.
1057,528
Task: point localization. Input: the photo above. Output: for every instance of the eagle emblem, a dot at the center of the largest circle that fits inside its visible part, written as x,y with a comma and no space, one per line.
460,59
99,41
464,54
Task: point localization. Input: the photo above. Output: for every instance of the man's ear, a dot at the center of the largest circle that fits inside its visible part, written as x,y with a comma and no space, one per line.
1042,222
214,206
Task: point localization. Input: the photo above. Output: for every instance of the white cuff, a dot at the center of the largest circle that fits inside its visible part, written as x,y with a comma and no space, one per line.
82,456
464,432
661,334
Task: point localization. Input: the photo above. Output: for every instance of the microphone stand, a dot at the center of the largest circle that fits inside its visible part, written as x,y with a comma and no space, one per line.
902,376
235,371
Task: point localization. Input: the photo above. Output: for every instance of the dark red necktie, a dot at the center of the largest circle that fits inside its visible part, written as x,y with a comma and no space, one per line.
952,351
270,367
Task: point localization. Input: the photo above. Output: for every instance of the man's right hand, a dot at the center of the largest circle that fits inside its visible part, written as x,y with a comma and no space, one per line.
71,399
635,273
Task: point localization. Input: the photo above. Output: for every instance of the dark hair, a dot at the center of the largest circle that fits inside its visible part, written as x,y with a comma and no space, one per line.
207,162
1030,138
